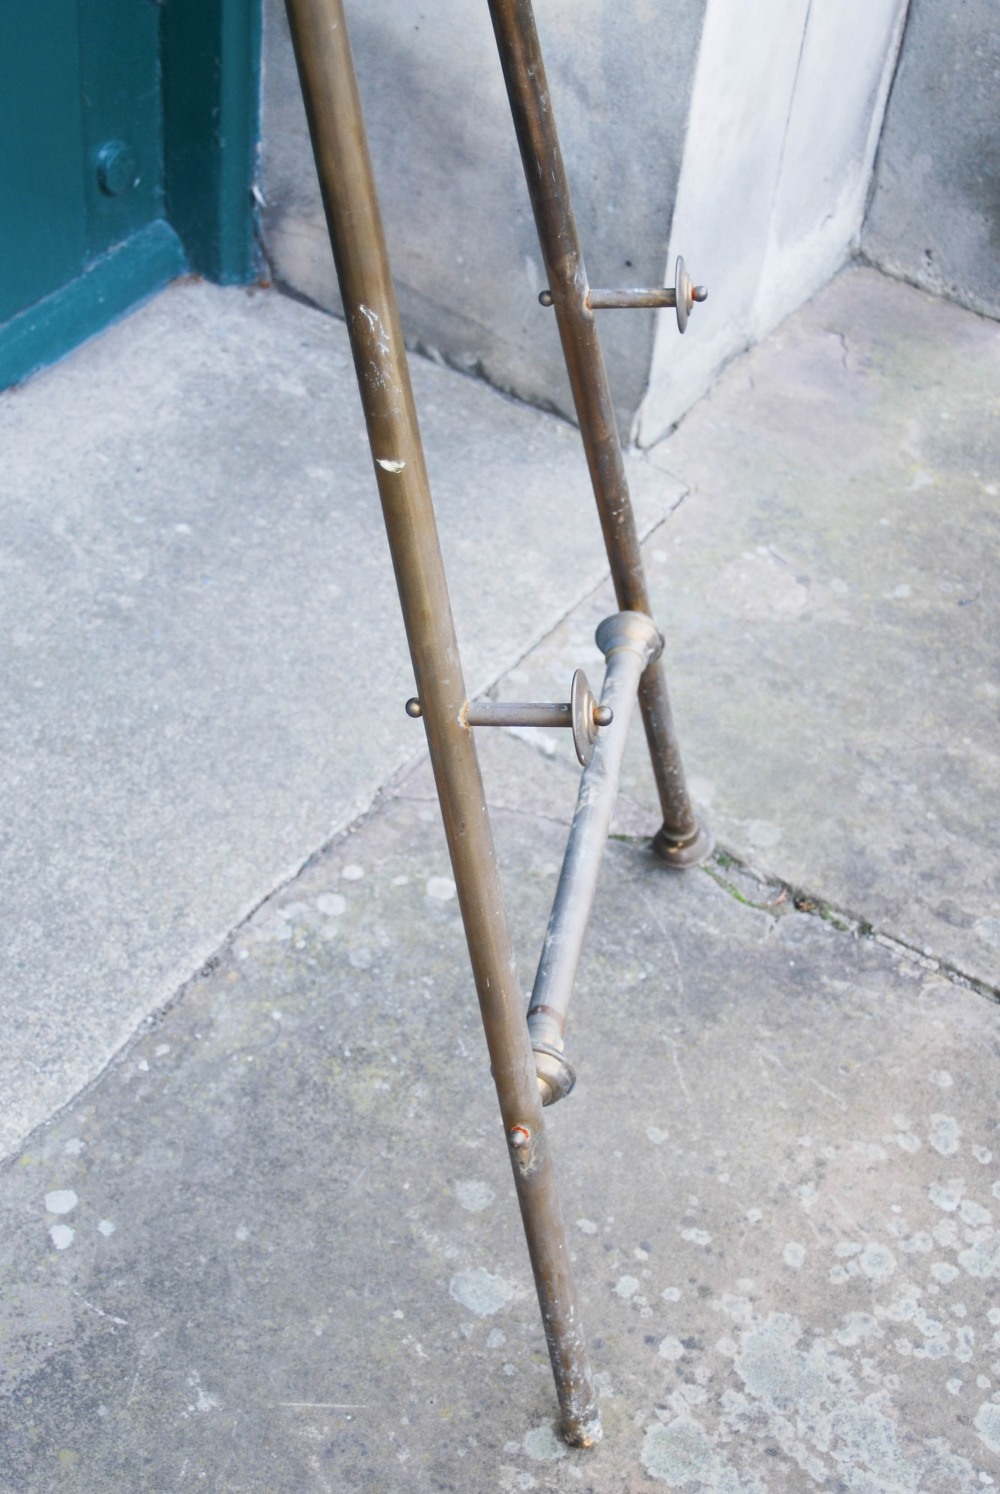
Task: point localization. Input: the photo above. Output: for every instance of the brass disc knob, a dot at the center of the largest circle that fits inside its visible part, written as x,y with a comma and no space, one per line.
586,716
686,293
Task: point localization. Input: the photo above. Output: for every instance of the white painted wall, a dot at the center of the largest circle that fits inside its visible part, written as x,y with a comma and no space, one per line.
785,116
740,135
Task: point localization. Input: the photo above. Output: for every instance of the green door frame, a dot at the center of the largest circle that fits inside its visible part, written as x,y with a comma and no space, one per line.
210,74
211,106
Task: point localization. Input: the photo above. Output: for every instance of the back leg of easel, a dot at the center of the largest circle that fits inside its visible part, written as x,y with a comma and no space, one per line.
337,129
681,840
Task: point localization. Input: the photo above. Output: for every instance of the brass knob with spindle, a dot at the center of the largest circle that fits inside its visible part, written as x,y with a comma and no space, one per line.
681,296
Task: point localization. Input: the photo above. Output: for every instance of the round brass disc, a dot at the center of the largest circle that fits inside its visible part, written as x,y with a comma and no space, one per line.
582,706
684,292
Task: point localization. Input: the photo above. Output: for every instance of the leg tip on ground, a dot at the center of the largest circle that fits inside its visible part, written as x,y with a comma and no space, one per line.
682,854
583,1434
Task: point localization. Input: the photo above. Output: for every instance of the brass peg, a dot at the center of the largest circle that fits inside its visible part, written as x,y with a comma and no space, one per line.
681,296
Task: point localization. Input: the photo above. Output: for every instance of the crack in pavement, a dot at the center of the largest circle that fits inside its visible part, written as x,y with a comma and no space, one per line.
792,898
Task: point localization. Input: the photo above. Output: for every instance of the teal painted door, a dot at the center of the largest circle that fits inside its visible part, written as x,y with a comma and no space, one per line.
118,117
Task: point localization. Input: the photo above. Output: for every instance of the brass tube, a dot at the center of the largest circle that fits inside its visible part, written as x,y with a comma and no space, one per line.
681,841
621,300
333,109
517,713
630,641
612,300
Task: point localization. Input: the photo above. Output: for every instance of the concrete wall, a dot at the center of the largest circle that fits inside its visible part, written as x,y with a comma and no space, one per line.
785,116
935,212
459,224
741,136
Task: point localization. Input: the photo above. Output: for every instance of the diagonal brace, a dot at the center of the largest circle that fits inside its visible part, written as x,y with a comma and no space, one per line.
630,643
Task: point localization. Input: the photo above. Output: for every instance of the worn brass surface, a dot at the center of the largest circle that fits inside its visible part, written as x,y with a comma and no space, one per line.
630,642
582,714
686,293
587,716
682,295
531,107
516,713
333,109
555,1074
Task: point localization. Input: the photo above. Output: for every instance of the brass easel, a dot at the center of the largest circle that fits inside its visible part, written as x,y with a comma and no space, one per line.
527,1057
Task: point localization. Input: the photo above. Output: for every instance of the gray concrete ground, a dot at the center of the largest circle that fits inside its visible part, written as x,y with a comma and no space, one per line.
828,587
204,666
274,1245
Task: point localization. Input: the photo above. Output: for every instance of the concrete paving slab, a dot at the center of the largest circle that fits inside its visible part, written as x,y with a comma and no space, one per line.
276,1246
203,665
829,595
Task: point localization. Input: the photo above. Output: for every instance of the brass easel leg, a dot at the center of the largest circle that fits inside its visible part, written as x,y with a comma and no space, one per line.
337,128
681,841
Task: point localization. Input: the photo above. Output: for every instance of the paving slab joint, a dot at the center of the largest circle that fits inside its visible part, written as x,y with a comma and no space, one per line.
791,898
